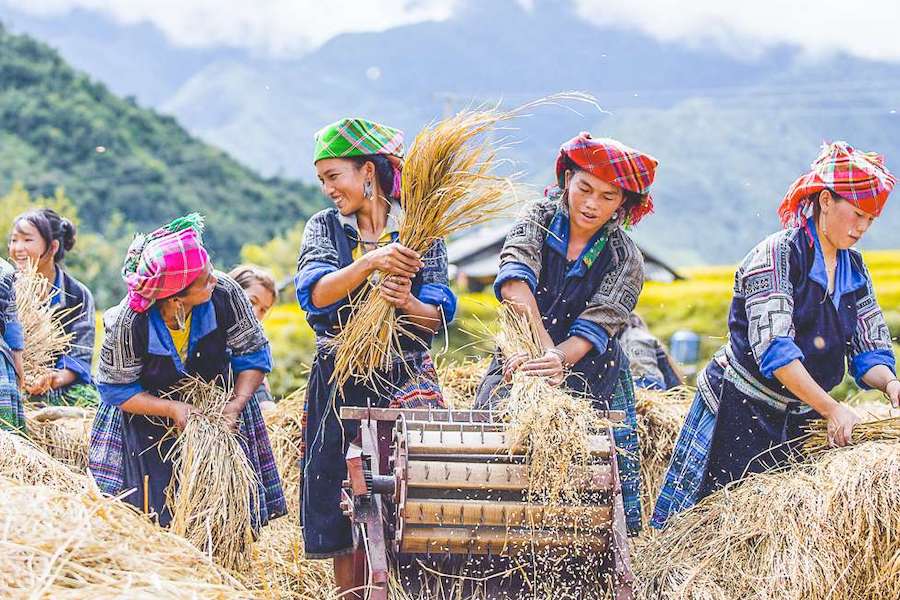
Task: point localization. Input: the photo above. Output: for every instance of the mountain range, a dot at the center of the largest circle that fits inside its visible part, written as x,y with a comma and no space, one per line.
730,131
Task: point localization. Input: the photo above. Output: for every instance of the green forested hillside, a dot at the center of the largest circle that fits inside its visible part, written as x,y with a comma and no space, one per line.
122,163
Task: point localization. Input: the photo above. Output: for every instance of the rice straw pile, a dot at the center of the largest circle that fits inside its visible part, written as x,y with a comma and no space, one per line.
63,432
448,185
59,544
825,529
459,382
42,325
214,489
285,427
21,461
279,570
553,425
660,415
882,430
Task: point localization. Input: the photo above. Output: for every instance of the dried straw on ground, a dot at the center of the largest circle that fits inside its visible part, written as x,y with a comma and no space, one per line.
459,382
23,462
59,544
214,489
63,432
42,324
882,430
285,427
280,572
448,185
660,415
827,529
553,425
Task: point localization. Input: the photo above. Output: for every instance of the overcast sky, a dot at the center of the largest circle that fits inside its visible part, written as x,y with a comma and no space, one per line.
867,28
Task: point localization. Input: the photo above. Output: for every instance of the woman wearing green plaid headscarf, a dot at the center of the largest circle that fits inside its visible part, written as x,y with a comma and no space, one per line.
358,163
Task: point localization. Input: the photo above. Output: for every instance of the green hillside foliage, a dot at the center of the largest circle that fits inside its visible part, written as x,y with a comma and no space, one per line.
120,163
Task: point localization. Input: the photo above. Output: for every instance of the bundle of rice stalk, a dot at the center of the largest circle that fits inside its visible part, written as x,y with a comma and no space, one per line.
459,381
62,544
882,430
660,415
279,571
285,427
448,185
63,432
823,529
42,324
553,425
214,488
23,462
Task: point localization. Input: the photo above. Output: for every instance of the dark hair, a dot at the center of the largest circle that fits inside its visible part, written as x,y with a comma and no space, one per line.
817,208
384,170
632,199
247,275
51,227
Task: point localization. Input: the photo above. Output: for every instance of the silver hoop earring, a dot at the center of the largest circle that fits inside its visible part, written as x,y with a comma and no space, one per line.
614,217
180,316
367,190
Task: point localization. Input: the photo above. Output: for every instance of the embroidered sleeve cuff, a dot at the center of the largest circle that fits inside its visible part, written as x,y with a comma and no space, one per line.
116,394
14,336
781,351
861,363
440,295
81,370
592,332
514,270
304,282
261,360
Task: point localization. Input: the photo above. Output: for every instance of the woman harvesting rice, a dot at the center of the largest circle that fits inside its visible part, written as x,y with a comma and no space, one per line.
41,237
358,163
568,261
12,412
179,318
803,309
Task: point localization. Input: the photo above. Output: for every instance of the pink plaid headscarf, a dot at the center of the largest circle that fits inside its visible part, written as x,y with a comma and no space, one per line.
164,262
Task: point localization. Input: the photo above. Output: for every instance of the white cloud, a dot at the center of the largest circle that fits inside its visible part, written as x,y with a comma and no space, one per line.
865,29
273,26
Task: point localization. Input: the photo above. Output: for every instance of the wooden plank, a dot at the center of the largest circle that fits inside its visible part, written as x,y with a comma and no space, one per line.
492,540
443,415
487,476
505,514
470,442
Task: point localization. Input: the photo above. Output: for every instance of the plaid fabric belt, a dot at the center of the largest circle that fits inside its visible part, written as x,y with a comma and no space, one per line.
748,385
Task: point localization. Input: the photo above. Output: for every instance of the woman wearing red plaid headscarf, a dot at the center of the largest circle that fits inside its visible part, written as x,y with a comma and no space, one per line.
568,261
803,311
179,319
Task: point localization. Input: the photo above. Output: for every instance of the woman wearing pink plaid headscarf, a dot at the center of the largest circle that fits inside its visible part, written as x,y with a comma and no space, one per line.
804,310
179,319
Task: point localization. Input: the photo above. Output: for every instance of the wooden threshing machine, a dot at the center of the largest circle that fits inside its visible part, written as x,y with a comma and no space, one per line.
432,481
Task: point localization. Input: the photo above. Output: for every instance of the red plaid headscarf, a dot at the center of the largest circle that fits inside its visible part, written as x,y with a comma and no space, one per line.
164,262
858,177
613,162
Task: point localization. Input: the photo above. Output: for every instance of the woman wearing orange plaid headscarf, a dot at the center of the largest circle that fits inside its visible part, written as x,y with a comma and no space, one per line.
803,311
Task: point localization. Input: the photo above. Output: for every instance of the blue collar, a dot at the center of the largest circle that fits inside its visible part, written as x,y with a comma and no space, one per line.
847,278
203,322
56,295
558,240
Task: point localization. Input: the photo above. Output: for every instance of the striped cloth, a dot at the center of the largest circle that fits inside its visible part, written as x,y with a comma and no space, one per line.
629,452
12,409
613,162
687,468
858,177
164,262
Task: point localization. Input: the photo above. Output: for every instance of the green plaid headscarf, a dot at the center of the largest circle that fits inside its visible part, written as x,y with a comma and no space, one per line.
357,137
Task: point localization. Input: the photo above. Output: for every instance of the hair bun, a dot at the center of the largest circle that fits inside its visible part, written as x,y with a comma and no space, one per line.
68,233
